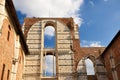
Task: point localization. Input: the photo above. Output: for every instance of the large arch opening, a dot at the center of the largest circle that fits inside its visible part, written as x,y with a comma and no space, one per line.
49,66
81,70
89,67
49,37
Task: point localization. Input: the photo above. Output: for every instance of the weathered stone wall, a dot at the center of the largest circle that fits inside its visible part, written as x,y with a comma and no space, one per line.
63,34
34,38
65,64
65,58
67,51
62,51
100,70
32,65
32,68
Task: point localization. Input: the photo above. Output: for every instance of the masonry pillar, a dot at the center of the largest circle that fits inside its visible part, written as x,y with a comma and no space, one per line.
56,49
15,58
42,50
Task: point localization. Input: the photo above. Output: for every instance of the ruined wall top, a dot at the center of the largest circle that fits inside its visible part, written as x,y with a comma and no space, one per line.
28,22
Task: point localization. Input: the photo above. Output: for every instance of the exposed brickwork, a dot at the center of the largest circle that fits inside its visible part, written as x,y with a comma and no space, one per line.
85,51
113,52
6,49
30,21
108,68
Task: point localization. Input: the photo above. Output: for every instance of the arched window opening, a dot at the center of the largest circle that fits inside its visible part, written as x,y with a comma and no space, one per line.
49,66
49,37
89,67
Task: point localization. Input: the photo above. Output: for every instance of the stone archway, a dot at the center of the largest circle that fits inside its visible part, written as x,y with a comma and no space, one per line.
90,67
82,69
99,68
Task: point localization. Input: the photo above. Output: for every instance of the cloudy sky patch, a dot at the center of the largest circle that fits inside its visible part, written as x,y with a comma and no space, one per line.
50,8
85,43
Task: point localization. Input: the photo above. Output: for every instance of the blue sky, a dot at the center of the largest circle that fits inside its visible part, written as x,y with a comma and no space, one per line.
99,21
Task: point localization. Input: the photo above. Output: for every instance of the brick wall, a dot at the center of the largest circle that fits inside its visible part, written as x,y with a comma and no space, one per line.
6,48
116,55
113,53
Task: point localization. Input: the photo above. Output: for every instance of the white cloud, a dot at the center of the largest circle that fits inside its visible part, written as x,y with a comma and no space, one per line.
49,31
85,43
95,44
50,8
49,64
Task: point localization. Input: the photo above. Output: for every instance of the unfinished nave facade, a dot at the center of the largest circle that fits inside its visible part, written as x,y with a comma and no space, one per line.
67,48
24,53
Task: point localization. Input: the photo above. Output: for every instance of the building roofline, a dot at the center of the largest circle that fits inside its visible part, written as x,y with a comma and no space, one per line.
110,44
14,19
49,18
